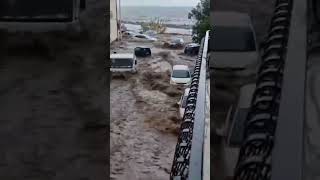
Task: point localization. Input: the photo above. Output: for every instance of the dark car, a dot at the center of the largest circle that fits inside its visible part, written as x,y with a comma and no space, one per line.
175,43
192,49
142,51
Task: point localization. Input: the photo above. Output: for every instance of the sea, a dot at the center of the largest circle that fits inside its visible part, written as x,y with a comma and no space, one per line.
176,18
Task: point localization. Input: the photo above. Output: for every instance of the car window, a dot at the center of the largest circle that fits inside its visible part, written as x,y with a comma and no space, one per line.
140,36
116,63
233,39
180,74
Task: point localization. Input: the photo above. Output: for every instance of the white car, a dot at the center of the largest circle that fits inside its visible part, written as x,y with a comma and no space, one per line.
183,102
129,33
123,62
180,75
145,37
243,52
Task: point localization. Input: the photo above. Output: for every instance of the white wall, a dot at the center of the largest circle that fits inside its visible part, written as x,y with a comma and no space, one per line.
113,20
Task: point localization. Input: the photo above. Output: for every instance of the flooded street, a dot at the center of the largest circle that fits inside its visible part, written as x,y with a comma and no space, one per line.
144,115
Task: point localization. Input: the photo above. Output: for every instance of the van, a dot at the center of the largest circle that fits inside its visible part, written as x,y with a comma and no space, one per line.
123,62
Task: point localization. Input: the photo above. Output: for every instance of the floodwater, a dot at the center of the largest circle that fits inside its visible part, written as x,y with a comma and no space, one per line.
144,115
137,28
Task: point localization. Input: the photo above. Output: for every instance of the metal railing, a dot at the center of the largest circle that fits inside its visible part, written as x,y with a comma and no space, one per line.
188,157
272,148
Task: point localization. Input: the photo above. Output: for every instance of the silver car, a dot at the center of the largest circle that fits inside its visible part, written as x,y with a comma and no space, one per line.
233,42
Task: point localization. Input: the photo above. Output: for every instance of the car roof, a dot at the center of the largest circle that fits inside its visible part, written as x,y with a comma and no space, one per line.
123,55
141,34
180,67
193,45
230,18
142,47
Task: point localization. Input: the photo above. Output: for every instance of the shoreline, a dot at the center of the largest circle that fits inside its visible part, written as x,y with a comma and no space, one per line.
185,26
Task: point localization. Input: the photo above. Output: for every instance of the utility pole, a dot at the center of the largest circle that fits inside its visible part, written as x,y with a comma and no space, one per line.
119,17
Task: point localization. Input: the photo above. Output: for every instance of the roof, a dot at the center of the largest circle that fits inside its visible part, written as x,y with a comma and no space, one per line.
143,47
180,67
123,55
193,45
230,18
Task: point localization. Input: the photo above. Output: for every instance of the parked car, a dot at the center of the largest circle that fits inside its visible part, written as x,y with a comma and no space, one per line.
180,75
142,51
192,49
234,45
183,102
145,37
123,62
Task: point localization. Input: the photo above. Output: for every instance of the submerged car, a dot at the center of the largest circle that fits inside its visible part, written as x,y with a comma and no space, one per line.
234,45
180,75
142,51
129,33
175,43
192,49
183,102
151,33
145,37
123,62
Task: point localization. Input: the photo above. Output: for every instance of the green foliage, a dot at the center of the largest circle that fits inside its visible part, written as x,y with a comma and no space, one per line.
201,13
156,24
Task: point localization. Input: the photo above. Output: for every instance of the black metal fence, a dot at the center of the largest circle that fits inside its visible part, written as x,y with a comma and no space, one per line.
188,157
273,135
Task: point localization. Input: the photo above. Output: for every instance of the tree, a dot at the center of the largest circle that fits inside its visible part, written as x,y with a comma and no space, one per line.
201,13
155,24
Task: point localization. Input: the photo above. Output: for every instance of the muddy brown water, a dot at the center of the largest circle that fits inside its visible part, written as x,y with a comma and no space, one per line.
144,116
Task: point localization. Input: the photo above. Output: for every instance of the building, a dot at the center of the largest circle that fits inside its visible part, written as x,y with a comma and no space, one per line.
114,20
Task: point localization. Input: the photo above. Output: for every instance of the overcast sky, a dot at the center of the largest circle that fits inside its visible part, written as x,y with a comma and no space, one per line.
159,2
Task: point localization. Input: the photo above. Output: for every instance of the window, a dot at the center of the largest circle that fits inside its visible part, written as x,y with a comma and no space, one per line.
233,39
121,63
181,74
140,36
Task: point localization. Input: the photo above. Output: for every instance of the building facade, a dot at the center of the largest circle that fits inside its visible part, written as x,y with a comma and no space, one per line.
114,20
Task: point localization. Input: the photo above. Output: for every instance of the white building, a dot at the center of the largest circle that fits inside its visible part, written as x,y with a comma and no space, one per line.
114,20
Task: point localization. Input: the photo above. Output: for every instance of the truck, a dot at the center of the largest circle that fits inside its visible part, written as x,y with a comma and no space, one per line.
39,15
